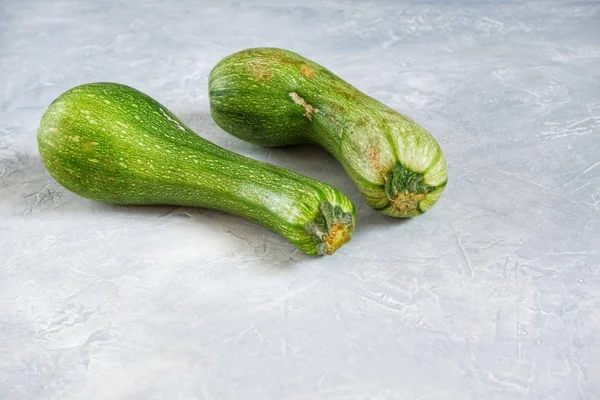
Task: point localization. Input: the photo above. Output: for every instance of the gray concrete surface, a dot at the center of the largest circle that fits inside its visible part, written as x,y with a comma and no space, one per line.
493,294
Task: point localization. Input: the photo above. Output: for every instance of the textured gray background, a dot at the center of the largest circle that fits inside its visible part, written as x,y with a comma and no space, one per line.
493,294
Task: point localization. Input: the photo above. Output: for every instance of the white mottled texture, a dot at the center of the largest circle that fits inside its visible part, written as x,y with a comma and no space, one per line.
493,294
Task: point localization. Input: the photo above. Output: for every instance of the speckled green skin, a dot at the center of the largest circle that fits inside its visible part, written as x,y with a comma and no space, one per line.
112,143
275,97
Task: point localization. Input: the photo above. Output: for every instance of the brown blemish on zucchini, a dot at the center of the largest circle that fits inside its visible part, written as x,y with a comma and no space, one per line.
348,93
373,157
284,58
363,121
310,110
307,71
337,107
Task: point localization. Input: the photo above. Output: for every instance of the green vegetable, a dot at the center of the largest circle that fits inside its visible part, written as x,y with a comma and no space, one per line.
274,97
112,143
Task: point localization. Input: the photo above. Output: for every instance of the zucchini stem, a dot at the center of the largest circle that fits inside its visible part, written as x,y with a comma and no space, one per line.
331,229
405,188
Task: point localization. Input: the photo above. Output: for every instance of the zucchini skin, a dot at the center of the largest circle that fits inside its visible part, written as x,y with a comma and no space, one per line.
112,143
274,97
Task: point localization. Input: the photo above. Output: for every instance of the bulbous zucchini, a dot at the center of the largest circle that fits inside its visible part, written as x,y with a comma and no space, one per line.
111,143
275,97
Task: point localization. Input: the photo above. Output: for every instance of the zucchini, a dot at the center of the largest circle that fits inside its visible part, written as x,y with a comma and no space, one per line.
111,143
274,97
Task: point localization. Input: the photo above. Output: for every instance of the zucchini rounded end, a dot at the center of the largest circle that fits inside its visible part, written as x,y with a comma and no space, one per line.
332,229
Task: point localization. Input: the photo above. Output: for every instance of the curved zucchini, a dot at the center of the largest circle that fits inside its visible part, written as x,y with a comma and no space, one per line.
274,97
112,143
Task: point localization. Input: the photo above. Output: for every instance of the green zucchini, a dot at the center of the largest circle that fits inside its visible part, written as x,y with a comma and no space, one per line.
111,143
274,97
